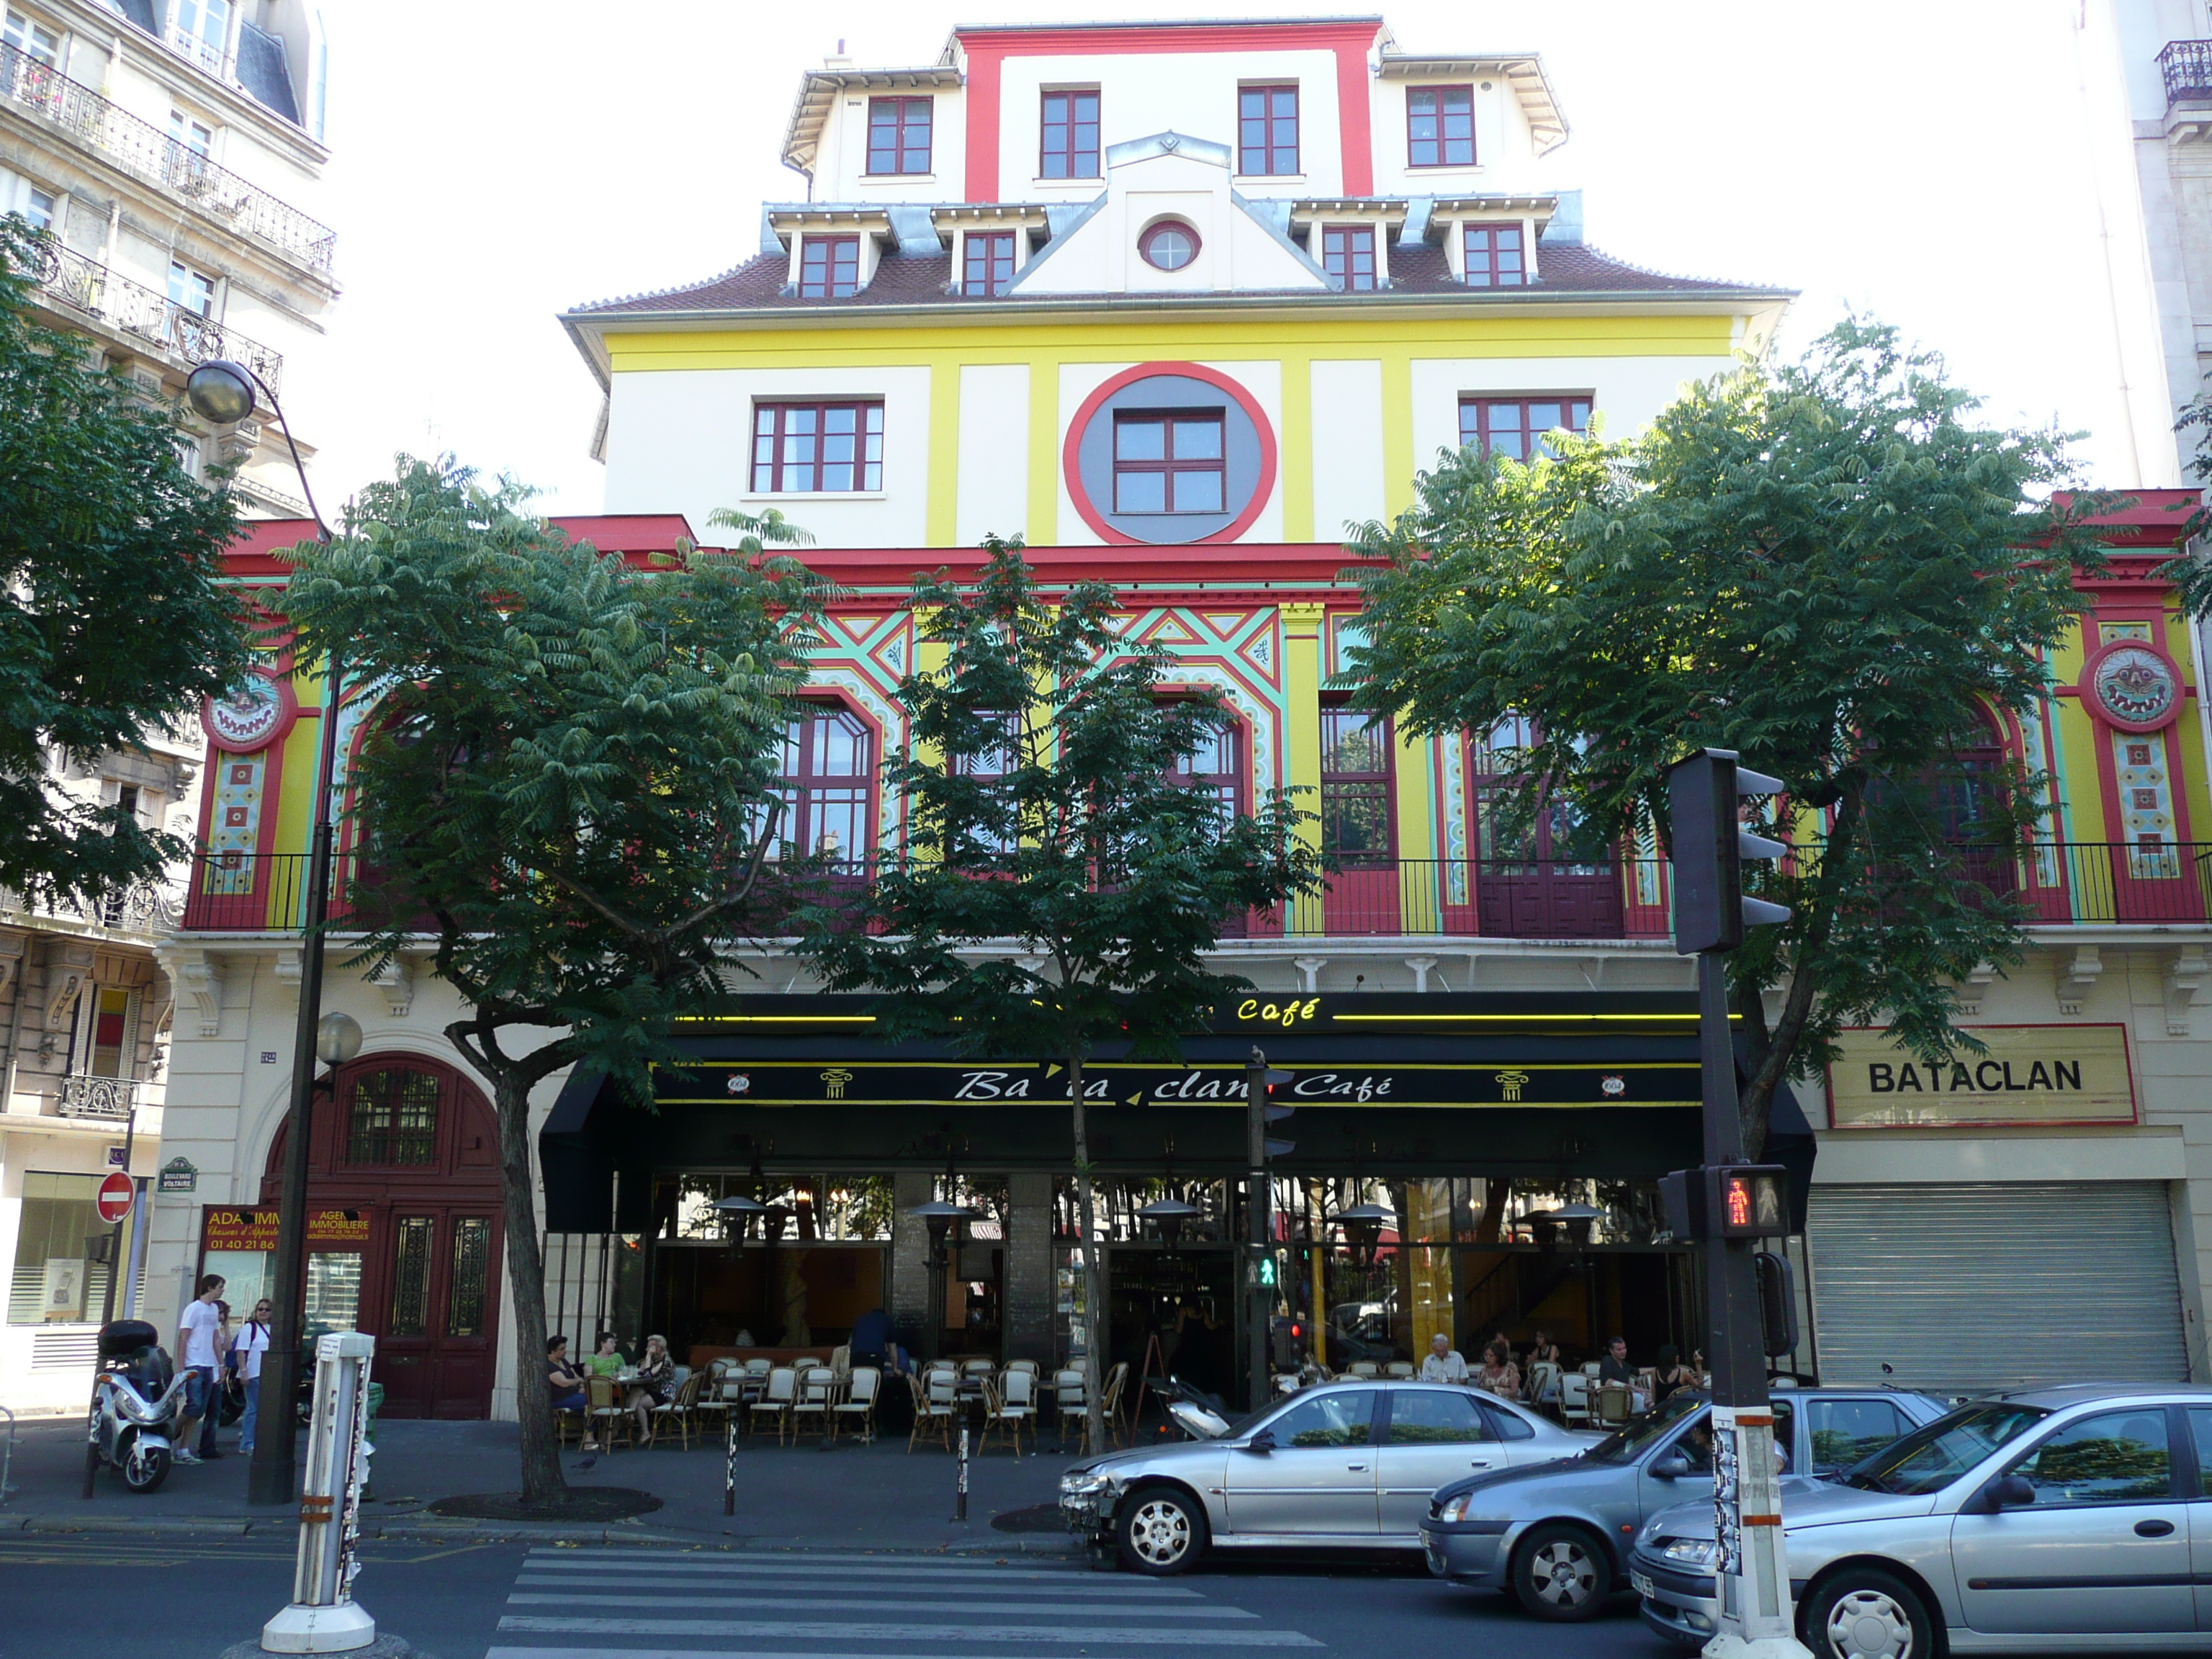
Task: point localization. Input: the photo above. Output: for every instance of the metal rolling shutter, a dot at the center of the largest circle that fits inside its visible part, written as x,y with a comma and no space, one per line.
1966,1289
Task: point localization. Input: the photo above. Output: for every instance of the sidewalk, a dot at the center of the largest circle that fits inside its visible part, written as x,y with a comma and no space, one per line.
800,1497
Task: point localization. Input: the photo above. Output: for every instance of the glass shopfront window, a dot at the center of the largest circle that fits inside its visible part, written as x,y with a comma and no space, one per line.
55,1281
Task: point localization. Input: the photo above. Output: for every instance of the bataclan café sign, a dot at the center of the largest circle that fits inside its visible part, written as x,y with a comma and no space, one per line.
2030,1074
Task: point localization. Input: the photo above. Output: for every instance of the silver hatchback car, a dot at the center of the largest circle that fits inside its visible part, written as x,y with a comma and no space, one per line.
1343,1465
2066,1520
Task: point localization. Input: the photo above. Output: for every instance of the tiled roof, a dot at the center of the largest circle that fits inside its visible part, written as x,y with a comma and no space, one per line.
1415,268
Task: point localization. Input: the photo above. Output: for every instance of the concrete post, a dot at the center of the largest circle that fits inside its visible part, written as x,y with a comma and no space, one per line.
910,1278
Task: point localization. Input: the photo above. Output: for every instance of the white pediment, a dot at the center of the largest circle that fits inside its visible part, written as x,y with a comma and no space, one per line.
1169,176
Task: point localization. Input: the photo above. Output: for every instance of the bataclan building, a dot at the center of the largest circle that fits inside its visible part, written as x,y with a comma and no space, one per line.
1178,303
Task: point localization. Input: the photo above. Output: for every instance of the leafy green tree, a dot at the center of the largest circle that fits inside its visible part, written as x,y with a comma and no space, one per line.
570,788
112,617
1826,565
1043,824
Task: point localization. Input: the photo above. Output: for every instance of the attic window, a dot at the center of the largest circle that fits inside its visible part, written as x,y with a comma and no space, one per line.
1440,126
898,135
1496,256
1170,244
829,267
1348,254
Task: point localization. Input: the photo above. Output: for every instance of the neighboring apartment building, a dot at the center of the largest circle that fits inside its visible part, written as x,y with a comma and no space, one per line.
1179,304
170,149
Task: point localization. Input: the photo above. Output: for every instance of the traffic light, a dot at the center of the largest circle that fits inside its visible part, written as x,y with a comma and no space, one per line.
1778,1304
1729,1201
1290,1334
1273,1108
1710,845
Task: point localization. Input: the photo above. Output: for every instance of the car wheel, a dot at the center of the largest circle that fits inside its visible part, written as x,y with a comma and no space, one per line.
1161,1530
1863,1613
146,1467
1560,1573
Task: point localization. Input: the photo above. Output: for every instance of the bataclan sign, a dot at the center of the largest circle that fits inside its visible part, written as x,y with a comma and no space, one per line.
2030,1074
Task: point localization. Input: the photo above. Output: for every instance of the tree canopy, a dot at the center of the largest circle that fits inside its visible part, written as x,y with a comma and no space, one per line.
112,619
1826,565
569,782
1046,820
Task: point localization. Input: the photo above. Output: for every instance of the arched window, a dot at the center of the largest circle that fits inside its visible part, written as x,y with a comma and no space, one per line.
828,757
1213,769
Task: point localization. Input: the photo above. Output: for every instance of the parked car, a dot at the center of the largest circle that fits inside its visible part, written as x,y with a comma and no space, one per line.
1343,1465
1559,1538
2063,1519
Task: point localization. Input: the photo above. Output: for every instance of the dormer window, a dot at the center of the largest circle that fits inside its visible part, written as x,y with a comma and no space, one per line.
987,258
1170,244
1348,254
898,136
1440,126
829,267
1496,256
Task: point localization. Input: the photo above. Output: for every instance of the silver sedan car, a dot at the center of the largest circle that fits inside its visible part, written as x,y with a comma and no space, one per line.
1345,1464
2066,1520
1558,1539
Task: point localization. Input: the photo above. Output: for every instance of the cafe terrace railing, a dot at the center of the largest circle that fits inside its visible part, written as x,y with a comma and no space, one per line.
2058,884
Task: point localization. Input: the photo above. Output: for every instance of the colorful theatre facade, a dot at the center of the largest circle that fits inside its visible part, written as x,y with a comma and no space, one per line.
1178,305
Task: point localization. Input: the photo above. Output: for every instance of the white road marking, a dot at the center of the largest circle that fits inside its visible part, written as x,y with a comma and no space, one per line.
1112,1610
981,1583
877,1634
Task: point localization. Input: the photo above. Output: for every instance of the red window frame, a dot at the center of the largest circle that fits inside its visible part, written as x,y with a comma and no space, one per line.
1068,142
1355,797
1495,256
1348,254
987,262
800,448
829,267
1153,235
820,800
898,136
1515,427
1216,768
1267,130
1167,465
1442,134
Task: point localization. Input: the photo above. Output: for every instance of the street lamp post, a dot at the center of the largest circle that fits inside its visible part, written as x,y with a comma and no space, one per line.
222,391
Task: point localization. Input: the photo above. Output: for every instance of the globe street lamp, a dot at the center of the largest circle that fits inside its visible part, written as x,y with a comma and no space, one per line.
223,393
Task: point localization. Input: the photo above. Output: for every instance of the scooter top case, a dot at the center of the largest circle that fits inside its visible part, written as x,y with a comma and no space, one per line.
123,1337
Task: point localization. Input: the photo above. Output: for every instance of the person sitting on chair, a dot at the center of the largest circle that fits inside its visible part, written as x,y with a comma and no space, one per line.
1499,1374
566,1383
656,1382
1615,1367
1443,1364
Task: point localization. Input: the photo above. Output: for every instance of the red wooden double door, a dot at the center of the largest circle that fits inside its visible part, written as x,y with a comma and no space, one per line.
408,1146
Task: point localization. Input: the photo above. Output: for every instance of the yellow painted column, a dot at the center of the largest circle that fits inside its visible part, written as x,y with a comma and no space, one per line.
1044,452
1399,461
1301,676
1296,462
942,524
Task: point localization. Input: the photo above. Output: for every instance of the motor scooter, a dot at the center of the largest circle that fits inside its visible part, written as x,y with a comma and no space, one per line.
137,1398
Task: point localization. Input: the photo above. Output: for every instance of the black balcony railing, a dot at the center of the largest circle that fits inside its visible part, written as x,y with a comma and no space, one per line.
2187,67
71,280
2057,884
143,150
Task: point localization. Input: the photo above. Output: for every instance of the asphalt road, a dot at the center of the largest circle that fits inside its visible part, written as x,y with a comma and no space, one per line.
189,1598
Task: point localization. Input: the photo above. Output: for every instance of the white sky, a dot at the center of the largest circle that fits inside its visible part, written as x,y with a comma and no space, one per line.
1922,160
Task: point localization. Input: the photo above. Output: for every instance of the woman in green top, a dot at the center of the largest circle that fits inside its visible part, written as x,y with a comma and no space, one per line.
607,1362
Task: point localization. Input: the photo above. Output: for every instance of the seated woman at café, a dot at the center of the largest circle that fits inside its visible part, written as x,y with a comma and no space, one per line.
1672,1374
655,1384
1498,1374
608,1360
563,1381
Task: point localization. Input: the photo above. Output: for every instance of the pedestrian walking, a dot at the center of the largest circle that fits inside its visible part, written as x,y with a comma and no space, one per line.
246,1351
197,1331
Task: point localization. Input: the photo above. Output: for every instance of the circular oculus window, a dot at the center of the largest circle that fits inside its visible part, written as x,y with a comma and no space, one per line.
1170,244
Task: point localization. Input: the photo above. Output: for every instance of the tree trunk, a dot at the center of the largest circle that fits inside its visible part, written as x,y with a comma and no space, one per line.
542,1484
1094,1310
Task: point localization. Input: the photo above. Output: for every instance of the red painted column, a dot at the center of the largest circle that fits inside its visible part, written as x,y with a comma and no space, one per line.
1354,122
983,63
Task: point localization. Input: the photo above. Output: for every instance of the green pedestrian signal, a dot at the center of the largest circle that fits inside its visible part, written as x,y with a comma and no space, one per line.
1268,1270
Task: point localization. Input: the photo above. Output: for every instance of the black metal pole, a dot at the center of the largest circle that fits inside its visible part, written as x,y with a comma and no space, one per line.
1259,1305
273,1477
1739,1367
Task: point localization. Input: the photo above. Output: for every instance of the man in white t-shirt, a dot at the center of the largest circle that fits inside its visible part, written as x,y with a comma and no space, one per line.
195,1353
1443,1364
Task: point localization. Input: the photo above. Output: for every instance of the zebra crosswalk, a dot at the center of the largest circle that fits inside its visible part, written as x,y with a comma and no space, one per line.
636,1604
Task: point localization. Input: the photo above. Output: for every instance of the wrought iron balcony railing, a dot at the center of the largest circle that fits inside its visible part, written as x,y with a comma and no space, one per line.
2187,68
145,907
2057,884
85,285
143,150
83,1095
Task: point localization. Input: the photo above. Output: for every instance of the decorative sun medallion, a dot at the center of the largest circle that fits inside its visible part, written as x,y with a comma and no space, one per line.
2133,686
252,714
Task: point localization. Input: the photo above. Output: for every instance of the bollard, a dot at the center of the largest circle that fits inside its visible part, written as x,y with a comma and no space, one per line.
729,1463
960,1503
324,1618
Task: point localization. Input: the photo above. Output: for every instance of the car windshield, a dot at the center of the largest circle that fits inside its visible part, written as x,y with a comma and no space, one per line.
1636,1436
1934,1455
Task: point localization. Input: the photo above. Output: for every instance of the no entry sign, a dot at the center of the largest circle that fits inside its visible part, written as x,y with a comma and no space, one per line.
115,1197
